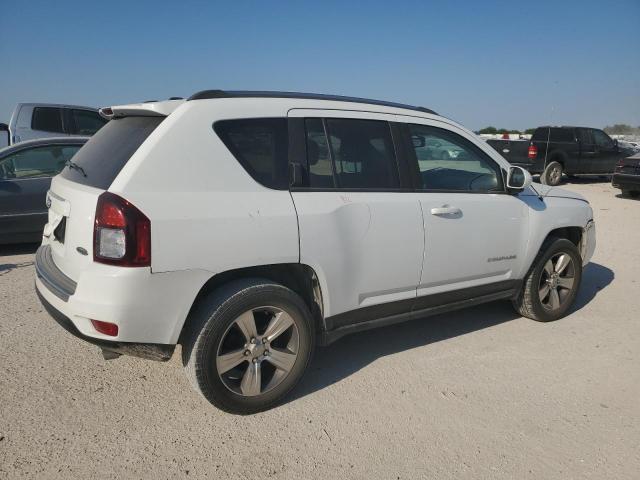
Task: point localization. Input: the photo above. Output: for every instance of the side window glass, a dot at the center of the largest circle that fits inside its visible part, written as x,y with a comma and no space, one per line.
447,161
363,154
584,136
602,139
37,162
87,122
47,119
318,158
260,145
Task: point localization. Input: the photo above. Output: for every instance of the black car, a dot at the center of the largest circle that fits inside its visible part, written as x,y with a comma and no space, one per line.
553,151
26,170
626,176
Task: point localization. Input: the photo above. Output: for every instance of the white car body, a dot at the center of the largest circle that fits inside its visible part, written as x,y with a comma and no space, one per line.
367,249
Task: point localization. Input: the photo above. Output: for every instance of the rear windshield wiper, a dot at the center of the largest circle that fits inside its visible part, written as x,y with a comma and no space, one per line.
75,166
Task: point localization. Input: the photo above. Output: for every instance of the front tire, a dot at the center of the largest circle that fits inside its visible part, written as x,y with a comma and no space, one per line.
248,345
551,286
552,175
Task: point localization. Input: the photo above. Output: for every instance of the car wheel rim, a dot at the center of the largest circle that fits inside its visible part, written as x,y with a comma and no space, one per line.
557,281
555,175
258,351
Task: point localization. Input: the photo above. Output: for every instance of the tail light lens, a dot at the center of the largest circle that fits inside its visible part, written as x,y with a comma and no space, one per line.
106,328
121,233
532,152
619,165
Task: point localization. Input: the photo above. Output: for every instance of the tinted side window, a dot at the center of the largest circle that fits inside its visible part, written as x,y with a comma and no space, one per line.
87,122
540,134
447,161
37,162
47,119
363,154
562,135
602,139
261,147
584,135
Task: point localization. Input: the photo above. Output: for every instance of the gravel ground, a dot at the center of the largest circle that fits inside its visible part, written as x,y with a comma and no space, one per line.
480,393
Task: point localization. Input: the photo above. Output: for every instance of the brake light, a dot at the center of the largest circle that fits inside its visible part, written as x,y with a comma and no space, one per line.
121,233
619,165
532,153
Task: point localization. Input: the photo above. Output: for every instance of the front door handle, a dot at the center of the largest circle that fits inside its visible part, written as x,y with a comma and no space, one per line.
446,210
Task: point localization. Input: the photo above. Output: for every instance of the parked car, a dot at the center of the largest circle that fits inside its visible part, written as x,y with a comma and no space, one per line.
554,151
250,226
627,176
26,170
30,121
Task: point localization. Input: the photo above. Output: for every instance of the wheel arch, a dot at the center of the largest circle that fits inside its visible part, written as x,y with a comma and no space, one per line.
300,278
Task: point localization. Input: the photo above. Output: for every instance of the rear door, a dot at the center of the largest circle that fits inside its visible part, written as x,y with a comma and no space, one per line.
588,151
25,176
360,225
475,233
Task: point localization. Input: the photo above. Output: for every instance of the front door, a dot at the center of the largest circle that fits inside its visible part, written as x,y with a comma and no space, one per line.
360,228
475,232
608,153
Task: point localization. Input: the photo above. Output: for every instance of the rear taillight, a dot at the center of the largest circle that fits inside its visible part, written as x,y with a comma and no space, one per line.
532,153
121,233
619,165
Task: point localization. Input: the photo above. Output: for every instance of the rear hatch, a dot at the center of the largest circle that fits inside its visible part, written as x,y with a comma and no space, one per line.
74,193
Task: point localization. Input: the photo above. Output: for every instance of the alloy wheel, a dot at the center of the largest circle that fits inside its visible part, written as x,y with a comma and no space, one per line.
557,281
258,351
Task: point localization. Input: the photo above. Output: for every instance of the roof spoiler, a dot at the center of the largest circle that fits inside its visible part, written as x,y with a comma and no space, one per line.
145,109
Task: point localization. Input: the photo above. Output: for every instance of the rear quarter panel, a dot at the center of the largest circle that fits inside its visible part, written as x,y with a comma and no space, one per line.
206,211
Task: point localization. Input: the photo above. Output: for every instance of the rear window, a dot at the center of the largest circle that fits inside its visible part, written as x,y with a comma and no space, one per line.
47,119
261,147
104,155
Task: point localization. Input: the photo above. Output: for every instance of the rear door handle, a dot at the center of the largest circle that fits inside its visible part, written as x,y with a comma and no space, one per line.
446,210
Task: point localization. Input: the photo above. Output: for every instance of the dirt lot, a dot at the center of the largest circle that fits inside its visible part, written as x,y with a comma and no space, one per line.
481,393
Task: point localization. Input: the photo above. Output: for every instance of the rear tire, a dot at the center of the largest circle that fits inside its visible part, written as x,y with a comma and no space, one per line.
247,345
551,286
552,175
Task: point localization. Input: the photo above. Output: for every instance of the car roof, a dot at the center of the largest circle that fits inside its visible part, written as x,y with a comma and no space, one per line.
40,142
209,94
56,105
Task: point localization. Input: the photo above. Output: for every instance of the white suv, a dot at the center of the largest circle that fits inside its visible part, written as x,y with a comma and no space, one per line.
249,226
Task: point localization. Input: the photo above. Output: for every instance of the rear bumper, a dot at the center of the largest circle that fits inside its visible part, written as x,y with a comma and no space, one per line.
622,180
149,308
149,351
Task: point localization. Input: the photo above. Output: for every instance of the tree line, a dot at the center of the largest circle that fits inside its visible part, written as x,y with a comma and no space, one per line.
617,129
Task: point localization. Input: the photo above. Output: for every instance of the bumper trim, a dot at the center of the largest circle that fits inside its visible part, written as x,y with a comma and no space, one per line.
53,278
149,351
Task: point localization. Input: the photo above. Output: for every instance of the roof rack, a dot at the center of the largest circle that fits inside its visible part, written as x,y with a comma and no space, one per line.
209,94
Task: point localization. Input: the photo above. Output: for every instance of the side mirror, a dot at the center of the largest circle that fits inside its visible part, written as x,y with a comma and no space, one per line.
518,179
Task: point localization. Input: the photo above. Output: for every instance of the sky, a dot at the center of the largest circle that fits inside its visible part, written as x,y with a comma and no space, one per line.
503,64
